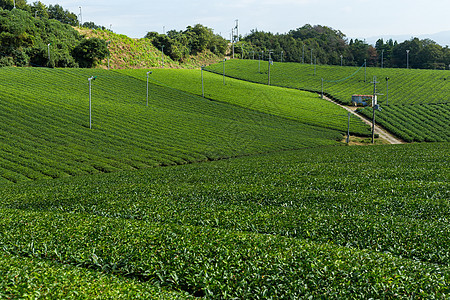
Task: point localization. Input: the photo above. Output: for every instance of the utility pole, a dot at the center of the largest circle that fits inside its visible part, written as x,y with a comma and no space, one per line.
81,18
162,52
365,73
48,49
348,128
315,63
232,40
149,72
270,62
387,91
259,63
374,107
303,55
311,57
109,54
224,60
322,90
90,106
203,89
382,58
407,59
281,56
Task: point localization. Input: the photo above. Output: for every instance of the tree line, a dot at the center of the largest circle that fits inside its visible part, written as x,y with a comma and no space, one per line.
324,45
180,45
37,35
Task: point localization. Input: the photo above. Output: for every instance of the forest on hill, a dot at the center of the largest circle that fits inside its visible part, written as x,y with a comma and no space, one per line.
40,35
324,45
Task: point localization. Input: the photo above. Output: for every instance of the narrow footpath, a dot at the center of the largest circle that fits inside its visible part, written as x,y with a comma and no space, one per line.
383,134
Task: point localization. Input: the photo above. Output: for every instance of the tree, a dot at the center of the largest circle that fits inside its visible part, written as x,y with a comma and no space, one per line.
57,12
89,51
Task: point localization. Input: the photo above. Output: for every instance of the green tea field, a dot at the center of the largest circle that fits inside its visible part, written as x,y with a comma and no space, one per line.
421,91
45,125
331,222
246,193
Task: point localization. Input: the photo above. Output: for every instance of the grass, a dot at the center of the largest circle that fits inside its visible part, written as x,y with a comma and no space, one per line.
405,86
45,126
410,101
296,105
329,222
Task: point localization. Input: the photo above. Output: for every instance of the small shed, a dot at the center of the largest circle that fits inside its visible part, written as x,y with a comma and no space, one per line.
362,100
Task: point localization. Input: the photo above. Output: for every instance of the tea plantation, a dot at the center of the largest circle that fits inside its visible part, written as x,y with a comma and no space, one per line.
44,125
247,193
301,106
332,222
421,91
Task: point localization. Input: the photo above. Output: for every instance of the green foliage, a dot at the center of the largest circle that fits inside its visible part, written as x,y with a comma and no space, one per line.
45,123
194,40
25,39
301,106
57,12
405,87
326,45
415,123
340,83
36,279
323,222
90,51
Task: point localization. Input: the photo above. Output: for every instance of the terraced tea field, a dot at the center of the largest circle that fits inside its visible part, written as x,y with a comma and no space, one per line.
331,222
423,90
405,86
297,105
44,126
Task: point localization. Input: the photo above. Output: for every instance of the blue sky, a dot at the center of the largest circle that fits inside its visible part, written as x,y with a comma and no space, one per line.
355,18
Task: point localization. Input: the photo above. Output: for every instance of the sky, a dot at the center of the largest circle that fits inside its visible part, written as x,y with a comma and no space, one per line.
355,18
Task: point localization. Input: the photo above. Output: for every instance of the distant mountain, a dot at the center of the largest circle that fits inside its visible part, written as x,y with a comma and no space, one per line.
442,38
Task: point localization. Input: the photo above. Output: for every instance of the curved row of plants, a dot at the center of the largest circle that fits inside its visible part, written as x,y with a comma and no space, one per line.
415,123
297,105
333,222
45,131
405,86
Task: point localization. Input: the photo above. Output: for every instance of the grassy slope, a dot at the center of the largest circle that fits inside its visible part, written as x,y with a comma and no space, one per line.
293,104
425,92
129,53
330,222
45,126
405,86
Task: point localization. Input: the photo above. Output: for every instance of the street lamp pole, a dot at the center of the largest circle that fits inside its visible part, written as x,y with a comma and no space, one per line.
322,90
90,105
81,18
341,60
203,89
162,51
407,59
224,60
387,91
303,55
48,50
149,72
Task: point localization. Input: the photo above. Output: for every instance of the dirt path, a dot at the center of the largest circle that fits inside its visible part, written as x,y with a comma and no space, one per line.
383,134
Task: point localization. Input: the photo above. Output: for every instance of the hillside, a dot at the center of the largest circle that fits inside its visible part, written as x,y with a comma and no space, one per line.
352,222
414,102
45,131
301,106
129,53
